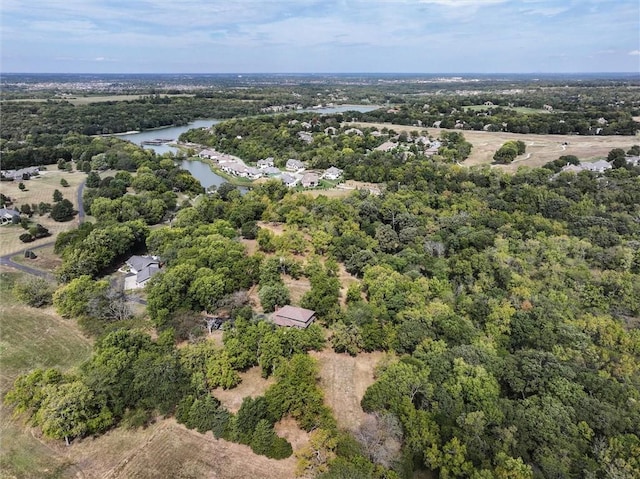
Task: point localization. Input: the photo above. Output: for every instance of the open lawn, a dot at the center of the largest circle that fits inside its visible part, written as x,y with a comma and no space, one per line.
39,189
541,149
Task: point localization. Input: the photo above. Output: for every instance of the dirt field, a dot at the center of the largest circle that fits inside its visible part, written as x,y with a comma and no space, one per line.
253,384
344,380
540,148
39,189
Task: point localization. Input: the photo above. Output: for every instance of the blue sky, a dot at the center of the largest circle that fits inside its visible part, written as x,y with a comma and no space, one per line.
243,36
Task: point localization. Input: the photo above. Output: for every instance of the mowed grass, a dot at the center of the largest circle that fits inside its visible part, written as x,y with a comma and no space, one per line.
39,189
31,338
541,149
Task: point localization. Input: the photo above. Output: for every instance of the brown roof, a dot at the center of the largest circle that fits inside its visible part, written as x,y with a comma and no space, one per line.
293,316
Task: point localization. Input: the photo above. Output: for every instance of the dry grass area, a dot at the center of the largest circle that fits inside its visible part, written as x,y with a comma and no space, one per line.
46,259
39,189
344,380
253,384
168,449
540,148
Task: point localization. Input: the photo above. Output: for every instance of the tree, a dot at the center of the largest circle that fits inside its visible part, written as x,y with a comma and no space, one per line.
380,436
93,180
72,300
72,410
272,295
34,291
64,183
22,186
62,211
57,196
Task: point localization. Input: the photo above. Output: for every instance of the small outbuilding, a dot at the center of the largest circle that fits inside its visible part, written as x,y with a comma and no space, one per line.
293,317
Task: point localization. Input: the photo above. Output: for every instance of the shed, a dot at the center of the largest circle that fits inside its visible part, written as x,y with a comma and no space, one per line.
293,316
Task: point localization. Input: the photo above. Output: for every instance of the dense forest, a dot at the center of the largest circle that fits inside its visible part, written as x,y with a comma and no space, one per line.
507,307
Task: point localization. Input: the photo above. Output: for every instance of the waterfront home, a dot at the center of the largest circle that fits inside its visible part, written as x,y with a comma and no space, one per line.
288,180
310,180
266,163
332,173
294,165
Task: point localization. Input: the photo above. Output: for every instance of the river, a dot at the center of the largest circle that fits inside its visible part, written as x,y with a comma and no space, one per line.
201,170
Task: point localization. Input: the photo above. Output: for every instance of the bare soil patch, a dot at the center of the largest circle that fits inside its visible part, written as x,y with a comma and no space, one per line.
541,149
253,384
344,380
297,287
288,428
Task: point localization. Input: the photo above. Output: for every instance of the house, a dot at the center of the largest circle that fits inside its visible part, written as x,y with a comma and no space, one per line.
354,131
305,136
253,173
208,154
294,165
289,180
633,160
330,130
332,173
306,125
21,174
292,316
141,269
266,163
386,146
597,166
310,180
9,216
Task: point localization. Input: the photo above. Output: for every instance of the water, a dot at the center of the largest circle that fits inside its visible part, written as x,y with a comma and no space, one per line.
170,133
202,171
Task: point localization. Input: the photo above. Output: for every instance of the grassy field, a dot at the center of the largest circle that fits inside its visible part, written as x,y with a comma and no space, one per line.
31,338
344,380
39,189
541,149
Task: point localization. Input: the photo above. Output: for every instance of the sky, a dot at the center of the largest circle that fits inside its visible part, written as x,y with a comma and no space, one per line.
319,36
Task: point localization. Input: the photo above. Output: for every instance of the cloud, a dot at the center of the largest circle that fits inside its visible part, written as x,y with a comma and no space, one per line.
634,52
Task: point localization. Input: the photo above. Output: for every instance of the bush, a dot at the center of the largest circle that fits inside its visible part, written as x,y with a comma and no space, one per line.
26,238
34,291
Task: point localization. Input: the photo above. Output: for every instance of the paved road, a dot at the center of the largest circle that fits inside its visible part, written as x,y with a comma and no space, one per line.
7,261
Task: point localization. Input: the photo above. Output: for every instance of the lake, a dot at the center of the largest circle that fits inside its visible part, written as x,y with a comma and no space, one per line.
201,171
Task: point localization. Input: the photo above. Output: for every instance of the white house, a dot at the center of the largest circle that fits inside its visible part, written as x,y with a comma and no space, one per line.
266,163
208,154
310,180
7,216
294,165
598,166
289,180
332,173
